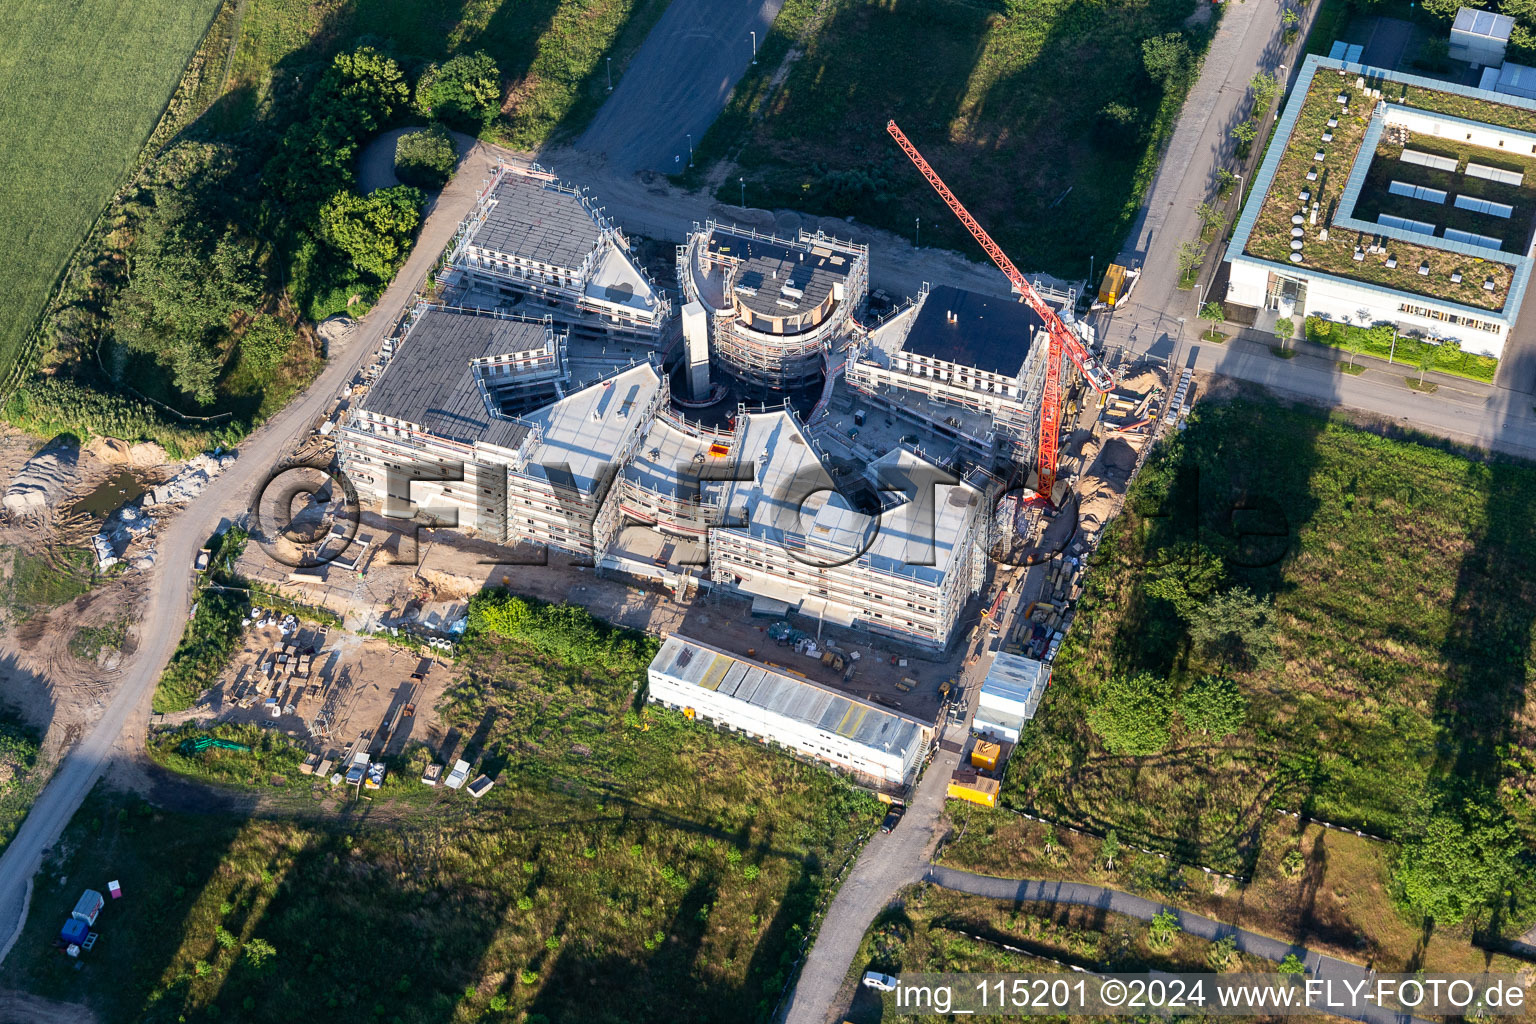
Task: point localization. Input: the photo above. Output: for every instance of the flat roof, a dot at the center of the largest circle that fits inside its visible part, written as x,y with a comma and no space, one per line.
1014,677
671,461
768,266
537,220
781,470
690,661
429,383
581,435
988,333
1482,23
1263,231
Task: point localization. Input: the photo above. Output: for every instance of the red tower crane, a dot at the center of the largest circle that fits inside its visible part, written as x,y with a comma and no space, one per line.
1062,336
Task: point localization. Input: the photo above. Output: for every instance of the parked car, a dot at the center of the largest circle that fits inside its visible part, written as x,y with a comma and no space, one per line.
892,817
879,982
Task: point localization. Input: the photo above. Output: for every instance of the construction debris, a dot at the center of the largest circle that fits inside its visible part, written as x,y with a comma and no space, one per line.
44,479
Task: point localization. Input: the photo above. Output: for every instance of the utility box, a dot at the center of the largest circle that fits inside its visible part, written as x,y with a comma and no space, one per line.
88,906
457,777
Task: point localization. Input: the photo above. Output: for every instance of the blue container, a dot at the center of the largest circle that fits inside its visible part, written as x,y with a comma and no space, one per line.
74,932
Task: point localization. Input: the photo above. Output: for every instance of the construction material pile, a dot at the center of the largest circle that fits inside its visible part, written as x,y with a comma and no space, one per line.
45,478
189,483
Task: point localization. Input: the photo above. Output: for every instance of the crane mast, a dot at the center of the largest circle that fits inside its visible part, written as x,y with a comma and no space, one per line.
1062,337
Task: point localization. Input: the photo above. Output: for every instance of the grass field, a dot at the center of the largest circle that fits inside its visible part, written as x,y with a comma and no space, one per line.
1401,582
83,84
1006,107
43,580
624,850
1405,350
1335,896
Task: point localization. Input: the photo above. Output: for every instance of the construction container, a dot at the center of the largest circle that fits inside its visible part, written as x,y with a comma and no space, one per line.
88,906
984,755
74,932
978,789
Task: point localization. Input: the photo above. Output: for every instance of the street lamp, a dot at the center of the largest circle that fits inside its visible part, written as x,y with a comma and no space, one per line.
917,233
610,74
1393,351
754,47
690,148
743,192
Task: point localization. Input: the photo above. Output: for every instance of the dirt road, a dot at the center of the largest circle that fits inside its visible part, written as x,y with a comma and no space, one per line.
122,728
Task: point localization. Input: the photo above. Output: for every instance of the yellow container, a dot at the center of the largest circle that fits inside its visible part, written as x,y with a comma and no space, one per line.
976,789
984,755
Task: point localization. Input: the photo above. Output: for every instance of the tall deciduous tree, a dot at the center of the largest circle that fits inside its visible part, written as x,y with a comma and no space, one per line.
1189,577
1236,629
374,231
1460,862
1165,57
1130,714
466,91
1214,705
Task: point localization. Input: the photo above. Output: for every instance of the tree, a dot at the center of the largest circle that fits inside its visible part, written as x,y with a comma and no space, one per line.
1289,17
1214,704
1165,57
1459,862
1191,256
1130,714
1211,217
1447,8
1222,953
1163,929
1191,574
266,341
1264,86
1235,629
1109,849
425,158
466,91
1214,312
1285,330
1117,115
1291,965
1429,352
1225,180
374,231
361,90
1245,132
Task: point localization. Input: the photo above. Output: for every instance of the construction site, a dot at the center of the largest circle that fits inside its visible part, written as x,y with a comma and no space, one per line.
831,499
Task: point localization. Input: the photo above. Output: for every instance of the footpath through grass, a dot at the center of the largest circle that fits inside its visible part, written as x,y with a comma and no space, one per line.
1382,657
1045,120
84,84
625,851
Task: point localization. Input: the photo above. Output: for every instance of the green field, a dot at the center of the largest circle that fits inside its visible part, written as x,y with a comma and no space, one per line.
1398,582
1008,101
625,851
84,84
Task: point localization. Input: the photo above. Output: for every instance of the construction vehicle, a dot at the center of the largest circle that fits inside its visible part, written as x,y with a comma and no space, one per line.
202,743
200,564
1063,338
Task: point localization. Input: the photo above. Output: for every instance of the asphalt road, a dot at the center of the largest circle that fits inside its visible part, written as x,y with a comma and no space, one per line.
169,590
677,83
1325,968
889,863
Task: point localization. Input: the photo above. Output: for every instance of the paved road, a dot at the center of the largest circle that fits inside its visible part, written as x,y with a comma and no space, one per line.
887,863
1325,968
677,83
169,590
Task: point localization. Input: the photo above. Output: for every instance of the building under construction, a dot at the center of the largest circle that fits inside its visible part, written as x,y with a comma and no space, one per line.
533,239
969,367
773,308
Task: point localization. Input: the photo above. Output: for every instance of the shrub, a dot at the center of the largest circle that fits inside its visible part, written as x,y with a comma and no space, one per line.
1131,714
466,91
425,158
565,631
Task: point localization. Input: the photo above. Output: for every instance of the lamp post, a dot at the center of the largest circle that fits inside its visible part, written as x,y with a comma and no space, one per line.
917,233
754,47
610,74
1392,352
743,182
690,148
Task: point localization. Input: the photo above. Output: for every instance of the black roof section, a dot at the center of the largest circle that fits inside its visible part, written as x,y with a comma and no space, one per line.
989,333
767,267
429,381
535,220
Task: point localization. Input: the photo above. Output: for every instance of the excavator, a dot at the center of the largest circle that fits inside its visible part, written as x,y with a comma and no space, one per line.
1063,338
